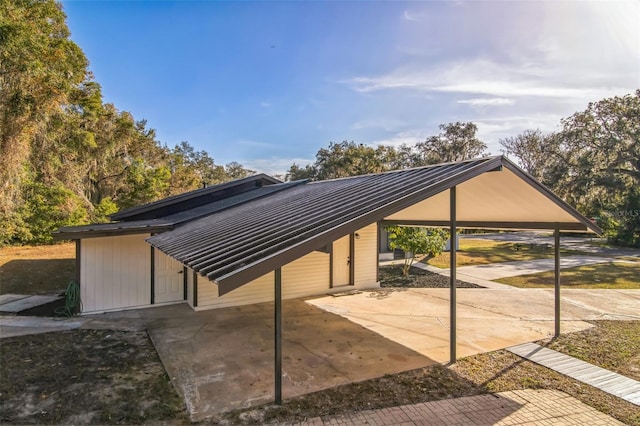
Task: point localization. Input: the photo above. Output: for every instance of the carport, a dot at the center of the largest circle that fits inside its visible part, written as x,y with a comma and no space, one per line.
264,235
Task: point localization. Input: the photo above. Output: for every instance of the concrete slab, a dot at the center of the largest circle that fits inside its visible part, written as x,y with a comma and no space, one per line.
21,326
22,304
6,298
224,359
487,319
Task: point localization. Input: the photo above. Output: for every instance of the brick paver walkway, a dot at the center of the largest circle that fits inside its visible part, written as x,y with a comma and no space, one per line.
523,407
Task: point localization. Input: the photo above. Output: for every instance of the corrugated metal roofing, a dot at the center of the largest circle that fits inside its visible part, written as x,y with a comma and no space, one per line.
133,227
244,242
169,222
193,199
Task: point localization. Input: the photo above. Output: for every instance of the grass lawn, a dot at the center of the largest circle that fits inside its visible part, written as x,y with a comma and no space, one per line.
36,269
616,275
480,252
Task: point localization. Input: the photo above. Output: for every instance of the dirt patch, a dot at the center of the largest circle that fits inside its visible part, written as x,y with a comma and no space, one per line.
36,269
391,276
85,377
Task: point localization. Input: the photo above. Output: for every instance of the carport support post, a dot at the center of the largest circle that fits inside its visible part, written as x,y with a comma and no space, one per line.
278,336
556,235
452,275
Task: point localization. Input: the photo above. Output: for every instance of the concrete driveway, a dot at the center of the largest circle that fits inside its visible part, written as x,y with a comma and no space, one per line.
222,359
487,319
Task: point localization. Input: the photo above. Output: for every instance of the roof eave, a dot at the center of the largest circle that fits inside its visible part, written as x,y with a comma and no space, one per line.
62,234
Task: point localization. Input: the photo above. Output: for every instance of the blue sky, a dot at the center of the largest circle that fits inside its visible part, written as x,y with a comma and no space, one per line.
269,83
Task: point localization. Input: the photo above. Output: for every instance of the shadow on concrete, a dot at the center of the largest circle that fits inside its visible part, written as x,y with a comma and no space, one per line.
223,359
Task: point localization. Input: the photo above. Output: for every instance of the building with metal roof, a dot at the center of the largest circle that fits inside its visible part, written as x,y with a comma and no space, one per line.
258,239
221,245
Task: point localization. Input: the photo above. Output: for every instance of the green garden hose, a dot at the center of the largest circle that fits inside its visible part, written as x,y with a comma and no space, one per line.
72,300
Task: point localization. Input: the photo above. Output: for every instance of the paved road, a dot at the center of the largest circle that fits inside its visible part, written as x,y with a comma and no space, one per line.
495,271
586,243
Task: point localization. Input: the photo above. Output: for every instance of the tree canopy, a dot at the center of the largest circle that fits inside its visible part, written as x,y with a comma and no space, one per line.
456,141
66,157
593,162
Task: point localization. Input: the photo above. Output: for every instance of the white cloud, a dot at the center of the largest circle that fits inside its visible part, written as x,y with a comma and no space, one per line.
410,16
408,137
265,104
489,78
491,130
274,166
487,101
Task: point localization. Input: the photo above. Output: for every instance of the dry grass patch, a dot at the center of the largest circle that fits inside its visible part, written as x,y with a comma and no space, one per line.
85,377
612,275
36,269
595,346
482,252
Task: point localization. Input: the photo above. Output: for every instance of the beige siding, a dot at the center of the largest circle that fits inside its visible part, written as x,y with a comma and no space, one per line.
189,273
366,257
306,276
115,273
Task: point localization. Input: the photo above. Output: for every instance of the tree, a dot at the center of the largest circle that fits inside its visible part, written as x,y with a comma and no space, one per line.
534,151
39,68
296,172
600,157
415,241
236,170
455,142
191,169
346,159
47,208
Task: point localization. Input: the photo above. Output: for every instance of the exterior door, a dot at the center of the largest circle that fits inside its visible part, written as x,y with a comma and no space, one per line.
169,279
341,261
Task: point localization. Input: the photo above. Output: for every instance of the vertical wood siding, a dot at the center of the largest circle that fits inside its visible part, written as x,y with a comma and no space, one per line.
306,276
366,257
115,272
189,273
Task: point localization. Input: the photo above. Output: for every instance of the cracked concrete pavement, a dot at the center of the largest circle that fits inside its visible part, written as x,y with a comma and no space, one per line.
223,359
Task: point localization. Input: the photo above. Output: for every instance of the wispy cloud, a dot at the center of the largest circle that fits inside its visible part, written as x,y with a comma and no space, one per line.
275,166
489,78
408,137
487,101
265,104
411,16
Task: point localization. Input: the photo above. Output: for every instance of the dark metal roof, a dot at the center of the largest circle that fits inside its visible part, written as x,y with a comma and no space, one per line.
245,242
192,199
112,228
169,222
